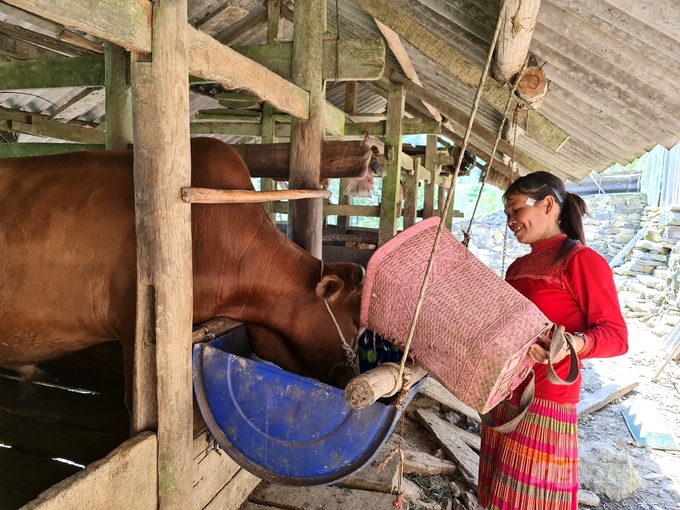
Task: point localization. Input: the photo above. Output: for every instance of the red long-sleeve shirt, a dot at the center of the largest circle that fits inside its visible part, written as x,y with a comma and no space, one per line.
578,293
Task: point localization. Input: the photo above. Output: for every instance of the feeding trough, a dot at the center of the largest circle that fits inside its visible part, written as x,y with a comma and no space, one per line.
282,427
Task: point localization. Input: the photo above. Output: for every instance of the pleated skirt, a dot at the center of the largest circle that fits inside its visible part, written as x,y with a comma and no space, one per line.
534,467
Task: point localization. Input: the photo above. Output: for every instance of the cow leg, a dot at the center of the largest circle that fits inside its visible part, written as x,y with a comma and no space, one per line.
27,373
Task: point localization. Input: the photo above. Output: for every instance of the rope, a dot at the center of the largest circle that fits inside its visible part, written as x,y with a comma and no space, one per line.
513,87
449,197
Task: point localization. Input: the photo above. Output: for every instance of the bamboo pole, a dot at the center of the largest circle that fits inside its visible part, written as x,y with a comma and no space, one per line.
379,382
237,196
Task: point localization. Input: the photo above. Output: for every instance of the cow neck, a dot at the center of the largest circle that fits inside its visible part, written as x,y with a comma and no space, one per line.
350,355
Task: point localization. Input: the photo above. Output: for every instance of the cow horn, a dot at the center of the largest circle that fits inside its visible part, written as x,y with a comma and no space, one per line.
358,273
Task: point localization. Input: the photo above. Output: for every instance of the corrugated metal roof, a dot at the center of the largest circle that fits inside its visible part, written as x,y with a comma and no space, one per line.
613,67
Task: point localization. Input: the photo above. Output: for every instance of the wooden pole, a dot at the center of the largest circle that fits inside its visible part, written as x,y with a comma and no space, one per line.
351,101
379,382
268,137
389,203
533,87
431,165
411,195
512,49
165,301
305,220
118,99
235,196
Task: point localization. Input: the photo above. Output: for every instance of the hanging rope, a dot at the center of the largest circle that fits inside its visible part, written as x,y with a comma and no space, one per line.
449,198
466,235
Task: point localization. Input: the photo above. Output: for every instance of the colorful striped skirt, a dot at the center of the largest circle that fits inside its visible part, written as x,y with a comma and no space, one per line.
534,467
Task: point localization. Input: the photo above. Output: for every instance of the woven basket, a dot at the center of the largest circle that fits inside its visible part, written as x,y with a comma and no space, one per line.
474,329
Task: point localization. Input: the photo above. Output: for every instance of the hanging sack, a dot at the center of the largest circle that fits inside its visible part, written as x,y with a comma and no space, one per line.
474,329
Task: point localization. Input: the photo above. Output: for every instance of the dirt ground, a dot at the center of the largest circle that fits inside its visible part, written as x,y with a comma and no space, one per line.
659,470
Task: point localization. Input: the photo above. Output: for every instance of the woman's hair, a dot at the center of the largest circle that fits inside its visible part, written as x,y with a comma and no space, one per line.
539,185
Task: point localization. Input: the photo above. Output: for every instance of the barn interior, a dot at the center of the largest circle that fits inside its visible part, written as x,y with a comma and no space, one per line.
600,88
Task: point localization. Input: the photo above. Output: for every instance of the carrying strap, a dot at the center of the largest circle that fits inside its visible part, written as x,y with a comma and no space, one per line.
556,345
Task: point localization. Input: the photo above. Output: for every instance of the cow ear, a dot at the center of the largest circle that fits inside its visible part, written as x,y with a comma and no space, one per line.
329,287
358,274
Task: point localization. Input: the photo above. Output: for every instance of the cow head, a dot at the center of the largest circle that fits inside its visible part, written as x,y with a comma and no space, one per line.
340,287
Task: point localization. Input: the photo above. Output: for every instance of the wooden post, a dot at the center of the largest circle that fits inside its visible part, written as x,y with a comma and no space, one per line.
351,100
268,137
165,301
389,203
449,212
411,195
305,220
431,165
520,21
118,101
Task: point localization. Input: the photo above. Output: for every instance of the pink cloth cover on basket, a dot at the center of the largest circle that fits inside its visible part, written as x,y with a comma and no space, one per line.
474,329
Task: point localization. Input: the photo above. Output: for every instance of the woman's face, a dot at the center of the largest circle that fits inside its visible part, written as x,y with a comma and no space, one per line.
531,221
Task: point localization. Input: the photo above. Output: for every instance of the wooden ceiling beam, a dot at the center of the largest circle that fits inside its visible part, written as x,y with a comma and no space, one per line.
360,59
63,72
544,130
22,50
520,18
44,41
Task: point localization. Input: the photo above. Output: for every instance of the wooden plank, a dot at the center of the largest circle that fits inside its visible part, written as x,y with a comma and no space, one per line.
223,17
461,454
436,391
235,492
216,62
360,59
81,103
18,150
548,133
126,478
233,129
389,202
305,219
126,22
424,464
212,470
469,438
63,72
44,41
118,98
591,402
162,166
333,120
60,130
293,498
23,50
370,479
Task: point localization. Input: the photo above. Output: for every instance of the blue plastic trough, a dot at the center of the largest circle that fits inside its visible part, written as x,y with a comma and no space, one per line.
281,427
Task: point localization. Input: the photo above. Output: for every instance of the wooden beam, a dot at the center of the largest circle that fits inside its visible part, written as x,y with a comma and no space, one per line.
81,103
162,167
19,150
126,23
250,24
399,52
305,219
390,204
18,49
63,72
221,18
118,99
369,211
351,102
512,49
233,196
268,138
60,130
44,41
409,127
274,21
212,60
444,55
360,59
411,196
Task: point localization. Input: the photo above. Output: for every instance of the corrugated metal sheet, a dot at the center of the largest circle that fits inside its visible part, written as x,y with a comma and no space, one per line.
613,67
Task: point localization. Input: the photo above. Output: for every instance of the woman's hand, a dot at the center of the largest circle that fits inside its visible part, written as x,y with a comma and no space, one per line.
539,352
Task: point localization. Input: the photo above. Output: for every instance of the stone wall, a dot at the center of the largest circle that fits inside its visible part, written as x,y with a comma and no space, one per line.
612,222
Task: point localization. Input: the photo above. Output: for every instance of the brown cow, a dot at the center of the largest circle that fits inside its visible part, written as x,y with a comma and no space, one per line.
68,265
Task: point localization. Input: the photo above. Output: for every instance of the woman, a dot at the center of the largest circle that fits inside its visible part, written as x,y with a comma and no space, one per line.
536,466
